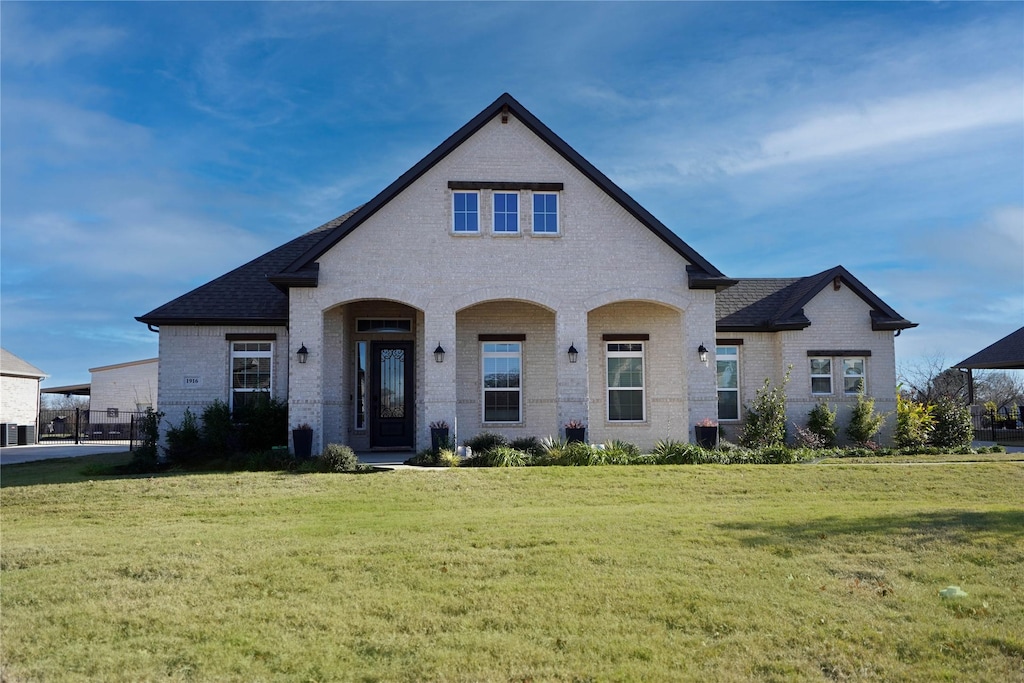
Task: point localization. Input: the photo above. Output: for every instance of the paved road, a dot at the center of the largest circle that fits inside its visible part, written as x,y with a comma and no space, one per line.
10,455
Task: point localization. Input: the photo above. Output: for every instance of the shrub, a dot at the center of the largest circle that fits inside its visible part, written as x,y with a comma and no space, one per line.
217,430
505,456
806,438
913,423
766,418
864,421
822,423
184,445
338,458
145,456
952,426
620,452
428,457
670,452
485,441
528,444
262,425
448,457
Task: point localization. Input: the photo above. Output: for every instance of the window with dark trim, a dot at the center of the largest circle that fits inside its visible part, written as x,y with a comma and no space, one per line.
502,369
626,391
251,373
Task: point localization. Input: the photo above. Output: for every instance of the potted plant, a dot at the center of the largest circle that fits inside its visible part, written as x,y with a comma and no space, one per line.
575,431
302,439
706,432
438,435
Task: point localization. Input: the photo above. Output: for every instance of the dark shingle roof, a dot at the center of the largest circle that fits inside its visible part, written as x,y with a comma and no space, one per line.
244,296
774,304
1005,354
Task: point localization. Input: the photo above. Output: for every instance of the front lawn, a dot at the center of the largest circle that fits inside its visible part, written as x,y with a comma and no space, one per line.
785,572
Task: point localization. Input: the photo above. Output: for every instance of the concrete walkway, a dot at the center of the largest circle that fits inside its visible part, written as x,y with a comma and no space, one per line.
10,455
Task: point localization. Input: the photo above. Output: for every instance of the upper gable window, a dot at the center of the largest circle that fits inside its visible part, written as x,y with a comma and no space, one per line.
506,212
545,213
466,212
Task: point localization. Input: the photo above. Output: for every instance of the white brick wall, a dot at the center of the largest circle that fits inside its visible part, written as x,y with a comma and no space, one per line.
126,387
203,353
407,253
19,400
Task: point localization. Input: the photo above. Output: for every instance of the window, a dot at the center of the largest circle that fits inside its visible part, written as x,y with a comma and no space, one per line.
502,380
545,213
625,381
251,379
506,212
360,394
383,325
502,391
821,375
466,211
727,360
853,375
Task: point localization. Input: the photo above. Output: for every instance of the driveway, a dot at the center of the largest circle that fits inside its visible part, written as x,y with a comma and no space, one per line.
11,455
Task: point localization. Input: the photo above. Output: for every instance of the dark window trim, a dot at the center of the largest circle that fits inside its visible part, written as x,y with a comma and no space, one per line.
625,337
838,352
728,342
500,185
501,337
250,336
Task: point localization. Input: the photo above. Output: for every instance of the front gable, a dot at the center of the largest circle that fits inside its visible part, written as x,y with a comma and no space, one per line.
503,149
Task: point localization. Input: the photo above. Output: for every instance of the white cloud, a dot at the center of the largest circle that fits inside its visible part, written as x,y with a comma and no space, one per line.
26,44
856,129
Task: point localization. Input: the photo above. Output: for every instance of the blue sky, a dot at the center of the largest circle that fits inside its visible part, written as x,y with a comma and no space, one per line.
146,148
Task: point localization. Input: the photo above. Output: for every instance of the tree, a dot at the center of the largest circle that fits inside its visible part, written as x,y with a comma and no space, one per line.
64,402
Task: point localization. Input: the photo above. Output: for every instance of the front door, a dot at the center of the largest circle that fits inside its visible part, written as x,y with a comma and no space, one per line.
391,394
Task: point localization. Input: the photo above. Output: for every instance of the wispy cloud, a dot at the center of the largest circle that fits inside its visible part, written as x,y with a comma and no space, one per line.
865,128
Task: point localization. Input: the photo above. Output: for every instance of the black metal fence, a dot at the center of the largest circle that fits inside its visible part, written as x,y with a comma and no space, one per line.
998,426
88,426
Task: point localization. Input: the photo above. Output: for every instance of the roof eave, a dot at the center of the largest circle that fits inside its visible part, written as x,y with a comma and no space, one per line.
226,322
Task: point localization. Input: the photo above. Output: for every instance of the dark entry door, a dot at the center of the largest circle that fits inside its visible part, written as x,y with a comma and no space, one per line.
391,394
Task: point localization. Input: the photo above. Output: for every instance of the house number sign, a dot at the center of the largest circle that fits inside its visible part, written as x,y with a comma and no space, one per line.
193,381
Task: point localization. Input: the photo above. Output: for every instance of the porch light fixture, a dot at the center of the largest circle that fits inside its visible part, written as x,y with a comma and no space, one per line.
439,353
573,353
703,353
302,353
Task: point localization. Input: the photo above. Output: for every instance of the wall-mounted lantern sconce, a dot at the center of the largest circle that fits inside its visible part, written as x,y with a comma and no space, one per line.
703,353
302,353
573,353
439,353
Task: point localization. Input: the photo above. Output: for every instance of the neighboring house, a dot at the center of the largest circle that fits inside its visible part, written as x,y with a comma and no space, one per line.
19,399
124,387
505,284
1005,354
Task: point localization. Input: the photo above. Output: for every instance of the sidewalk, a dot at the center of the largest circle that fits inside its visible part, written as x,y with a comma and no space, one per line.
10,455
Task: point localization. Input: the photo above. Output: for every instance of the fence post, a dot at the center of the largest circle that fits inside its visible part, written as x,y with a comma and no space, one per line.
992,421
78,417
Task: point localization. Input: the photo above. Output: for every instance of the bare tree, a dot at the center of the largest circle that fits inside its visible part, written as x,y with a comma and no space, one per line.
931,379
66,402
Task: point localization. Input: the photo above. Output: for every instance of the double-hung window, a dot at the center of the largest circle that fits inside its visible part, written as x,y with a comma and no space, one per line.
821,376
466,212
625,381
727,361
545,213
853,375
502,381
506,212
251,376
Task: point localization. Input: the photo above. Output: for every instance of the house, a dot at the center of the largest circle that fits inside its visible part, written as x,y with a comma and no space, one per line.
505,284
124,387
19,399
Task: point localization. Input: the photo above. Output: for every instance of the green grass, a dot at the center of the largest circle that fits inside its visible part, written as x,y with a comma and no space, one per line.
609,573
62,470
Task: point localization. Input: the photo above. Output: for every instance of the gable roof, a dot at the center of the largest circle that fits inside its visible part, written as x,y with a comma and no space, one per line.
701,273
13,366
776,304
244,296
1005,354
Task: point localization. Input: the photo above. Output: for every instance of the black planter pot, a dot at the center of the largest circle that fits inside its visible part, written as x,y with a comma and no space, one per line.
438,438
576,434
303,441
707,437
